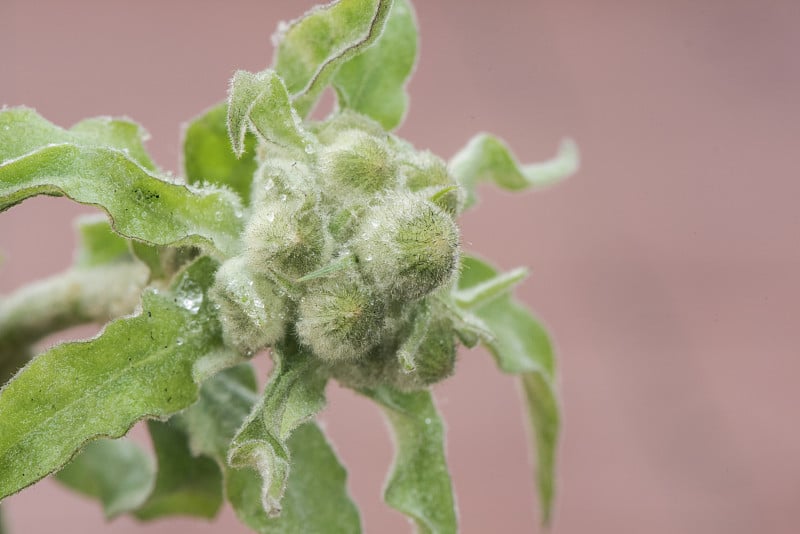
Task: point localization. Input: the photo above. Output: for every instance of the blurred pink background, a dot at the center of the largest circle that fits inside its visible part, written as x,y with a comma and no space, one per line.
667,269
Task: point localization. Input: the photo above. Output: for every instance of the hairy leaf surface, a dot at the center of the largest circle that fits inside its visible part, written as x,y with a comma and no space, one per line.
138,367
185,484
316,499
487,158
39,158
208,156
311,48
521,346
419,484
117,472
373,82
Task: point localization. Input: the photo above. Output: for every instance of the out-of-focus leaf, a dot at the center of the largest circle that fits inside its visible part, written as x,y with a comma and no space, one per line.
116,472
38,158
419,484
521,346
142,366
316,499
483,292
487,158
208,156
294,394
310,49
98,244
260,103
185,484
373,82
3,529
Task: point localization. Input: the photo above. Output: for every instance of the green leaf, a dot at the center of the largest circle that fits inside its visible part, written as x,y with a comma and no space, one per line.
122,134
373,82
419,485
259,102
521,346
185,484
294,394
37,157
487,158
316,499
483,292
142,366
3,528
117,472
98,244
311,48
208,156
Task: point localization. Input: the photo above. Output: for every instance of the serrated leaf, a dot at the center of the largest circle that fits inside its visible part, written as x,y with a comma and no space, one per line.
316,499
521,346
260,103
208,156
373,82
310,49
419,483
37,157
138,367
117,472
487,158
98,244
185,484
294,394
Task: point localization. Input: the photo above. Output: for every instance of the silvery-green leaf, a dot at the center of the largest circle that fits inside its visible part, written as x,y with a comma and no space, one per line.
294,394
311,48
521,346
39,158
260,103
117,472
141,366
316,499
487,158
419,484
373,82
208,156
185,484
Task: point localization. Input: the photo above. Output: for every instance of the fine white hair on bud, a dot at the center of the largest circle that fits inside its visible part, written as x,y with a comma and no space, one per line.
358,163
287,238
282,180
330,130
424,169
340,319
251,311
407,247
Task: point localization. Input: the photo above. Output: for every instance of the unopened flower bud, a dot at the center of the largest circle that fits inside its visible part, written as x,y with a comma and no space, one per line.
358,162
251,311
282,180
288,238
340,319
408,247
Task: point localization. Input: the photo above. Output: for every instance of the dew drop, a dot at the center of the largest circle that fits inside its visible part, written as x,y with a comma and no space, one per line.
427,420
270,216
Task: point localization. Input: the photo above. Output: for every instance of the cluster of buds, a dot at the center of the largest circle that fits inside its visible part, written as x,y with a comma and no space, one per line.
351,249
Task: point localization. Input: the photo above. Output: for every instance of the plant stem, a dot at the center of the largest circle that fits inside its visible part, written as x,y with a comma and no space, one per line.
74,297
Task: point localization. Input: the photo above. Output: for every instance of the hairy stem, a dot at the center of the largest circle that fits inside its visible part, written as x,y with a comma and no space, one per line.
74,297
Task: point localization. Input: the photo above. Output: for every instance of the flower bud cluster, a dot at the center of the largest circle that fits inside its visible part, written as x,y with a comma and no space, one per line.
350,250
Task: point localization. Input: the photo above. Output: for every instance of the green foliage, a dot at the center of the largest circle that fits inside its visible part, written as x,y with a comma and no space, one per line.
333,244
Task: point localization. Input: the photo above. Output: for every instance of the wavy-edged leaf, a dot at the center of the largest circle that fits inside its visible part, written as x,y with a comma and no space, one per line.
316,499
373,82
294,394
419,484
310,49
39,158
142,366
521,346
487,158
117,472
98,244
208,156
185,484
260,103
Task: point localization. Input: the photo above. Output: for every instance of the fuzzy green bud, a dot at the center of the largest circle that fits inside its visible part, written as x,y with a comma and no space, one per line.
340,319
358,162
282,180
329,130
424,169
407,247
286,238
251,311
